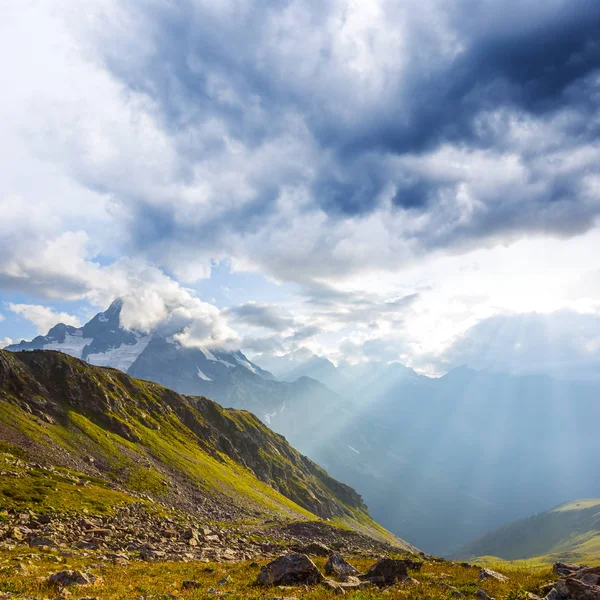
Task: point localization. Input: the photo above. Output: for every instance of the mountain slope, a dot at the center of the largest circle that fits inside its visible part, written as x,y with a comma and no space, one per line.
437,460
187,451
570,532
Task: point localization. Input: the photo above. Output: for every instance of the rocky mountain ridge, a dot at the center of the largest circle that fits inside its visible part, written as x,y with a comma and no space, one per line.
186,451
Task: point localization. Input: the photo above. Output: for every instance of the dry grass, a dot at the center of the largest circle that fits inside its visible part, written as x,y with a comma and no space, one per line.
23,573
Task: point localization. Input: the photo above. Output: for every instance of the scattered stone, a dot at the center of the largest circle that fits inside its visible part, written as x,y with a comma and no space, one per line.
224,580
338,567
386,571
316,549
489,574
292,569
67,578
483,595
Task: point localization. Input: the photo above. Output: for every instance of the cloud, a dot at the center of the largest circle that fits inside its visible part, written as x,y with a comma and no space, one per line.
2,317
266,316
4,342
564,344
159,305
346,148
333,126
43,317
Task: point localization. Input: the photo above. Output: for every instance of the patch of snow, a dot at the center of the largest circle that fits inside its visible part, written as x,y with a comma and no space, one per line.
245,364
102,318
208,354
227,364
73,344
354,449
203,376
121,357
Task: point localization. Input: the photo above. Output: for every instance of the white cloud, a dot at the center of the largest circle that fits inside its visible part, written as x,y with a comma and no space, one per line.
43,317
5,342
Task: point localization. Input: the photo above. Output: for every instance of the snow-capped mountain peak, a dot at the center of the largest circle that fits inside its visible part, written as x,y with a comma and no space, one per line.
104,342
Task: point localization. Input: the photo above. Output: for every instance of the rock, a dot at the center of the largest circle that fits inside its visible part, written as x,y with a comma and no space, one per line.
489,574
316,549
41,541
67,578
554,595
224,580
292,569
565,569
343,587
483,595
338,567
190,534
456,593
589,578
191,585
386,572
577,590
413,565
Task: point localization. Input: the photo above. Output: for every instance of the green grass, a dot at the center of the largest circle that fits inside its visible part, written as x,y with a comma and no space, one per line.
159,580
146,438
43,491
570,532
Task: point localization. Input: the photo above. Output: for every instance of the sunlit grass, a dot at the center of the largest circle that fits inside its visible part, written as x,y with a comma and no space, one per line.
20,575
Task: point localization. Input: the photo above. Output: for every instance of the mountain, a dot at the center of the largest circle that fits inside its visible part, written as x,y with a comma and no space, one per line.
436,460
187,452
104,342
568,533
444,460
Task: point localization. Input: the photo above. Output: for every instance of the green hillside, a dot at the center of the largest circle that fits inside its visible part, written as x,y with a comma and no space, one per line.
570,533
125,436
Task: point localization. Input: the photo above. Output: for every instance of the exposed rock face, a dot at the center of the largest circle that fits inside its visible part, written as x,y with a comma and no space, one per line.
338,567
386,571
293,569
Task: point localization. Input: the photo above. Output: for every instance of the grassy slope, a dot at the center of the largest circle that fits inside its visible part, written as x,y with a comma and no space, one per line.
570,532
152,440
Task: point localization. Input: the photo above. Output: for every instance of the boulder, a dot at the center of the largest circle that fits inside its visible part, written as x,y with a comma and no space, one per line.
291,569
489,574
338,567
565,569
386,571
68,578
577,590
483,595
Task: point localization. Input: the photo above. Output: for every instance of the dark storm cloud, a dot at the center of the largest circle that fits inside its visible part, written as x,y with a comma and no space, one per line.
465,73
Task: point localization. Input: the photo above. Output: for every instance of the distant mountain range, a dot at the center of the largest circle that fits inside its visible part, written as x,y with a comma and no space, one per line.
438,461
568,533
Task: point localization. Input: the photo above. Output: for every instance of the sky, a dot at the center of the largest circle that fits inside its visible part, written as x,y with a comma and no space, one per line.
368,181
